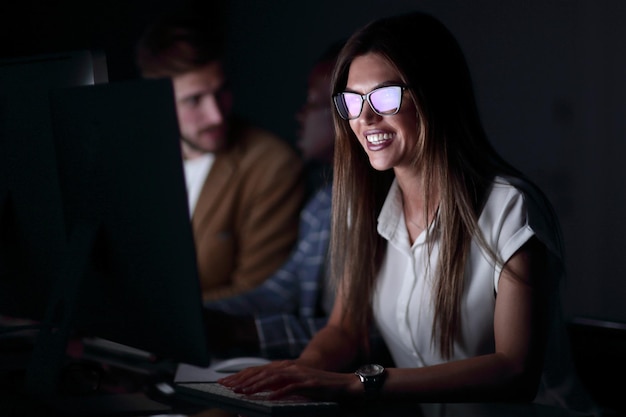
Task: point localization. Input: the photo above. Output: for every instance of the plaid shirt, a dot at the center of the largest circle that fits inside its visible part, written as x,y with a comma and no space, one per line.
289,307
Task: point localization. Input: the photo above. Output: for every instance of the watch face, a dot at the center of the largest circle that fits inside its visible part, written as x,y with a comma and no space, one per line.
370,370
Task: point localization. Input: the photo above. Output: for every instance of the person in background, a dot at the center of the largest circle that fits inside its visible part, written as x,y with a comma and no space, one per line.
245,185
453,253
316,137
278,318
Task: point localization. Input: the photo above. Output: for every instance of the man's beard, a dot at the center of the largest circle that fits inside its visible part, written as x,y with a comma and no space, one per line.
192,145
195,145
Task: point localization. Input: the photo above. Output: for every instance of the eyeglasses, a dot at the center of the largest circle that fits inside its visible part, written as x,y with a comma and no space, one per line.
384,101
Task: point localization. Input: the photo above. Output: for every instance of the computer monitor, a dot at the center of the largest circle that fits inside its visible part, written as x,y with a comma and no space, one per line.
31,226
125,209
121,245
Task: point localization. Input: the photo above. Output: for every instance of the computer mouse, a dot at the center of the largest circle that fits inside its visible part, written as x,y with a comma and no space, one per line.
237,364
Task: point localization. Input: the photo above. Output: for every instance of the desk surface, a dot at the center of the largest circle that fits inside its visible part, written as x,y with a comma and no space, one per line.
141,402
138,404
420,410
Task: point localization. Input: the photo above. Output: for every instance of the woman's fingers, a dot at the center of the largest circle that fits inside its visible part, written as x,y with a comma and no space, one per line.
251,376
287,378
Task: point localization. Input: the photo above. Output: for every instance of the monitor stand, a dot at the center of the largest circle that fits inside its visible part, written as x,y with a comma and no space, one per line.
43,381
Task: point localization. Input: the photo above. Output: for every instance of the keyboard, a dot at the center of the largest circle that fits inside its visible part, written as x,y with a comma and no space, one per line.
214,393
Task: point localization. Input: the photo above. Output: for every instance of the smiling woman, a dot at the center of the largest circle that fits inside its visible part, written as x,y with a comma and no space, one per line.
448,249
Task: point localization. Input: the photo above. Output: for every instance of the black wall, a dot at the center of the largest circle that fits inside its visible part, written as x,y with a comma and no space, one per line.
550,77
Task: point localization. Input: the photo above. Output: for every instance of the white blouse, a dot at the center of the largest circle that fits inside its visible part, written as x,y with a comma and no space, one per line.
403,298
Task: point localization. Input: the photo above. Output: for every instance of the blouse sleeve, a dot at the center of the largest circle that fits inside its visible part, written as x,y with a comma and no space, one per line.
504,223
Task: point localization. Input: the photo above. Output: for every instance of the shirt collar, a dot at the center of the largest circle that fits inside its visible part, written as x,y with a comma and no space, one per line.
391,223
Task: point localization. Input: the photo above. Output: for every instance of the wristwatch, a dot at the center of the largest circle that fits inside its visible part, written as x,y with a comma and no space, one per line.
372,377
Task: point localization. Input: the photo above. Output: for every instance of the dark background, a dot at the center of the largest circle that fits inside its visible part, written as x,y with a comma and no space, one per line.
550,76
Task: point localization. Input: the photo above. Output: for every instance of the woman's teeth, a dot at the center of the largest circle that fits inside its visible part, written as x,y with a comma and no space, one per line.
378,138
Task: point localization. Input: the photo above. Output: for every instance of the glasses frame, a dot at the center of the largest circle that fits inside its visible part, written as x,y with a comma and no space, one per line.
364,98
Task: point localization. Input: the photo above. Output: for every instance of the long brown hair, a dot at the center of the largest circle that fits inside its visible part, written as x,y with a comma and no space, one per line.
454,155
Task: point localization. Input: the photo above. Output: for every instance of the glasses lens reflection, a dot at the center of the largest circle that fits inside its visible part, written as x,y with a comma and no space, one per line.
384,101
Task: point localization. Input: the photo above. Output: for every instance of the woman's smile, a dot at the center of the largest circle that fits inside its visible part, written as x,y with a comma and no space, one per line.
377,141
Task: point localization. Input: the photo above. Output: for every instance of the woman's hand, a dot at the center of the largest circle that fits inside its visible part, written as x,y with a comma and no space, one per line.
286,378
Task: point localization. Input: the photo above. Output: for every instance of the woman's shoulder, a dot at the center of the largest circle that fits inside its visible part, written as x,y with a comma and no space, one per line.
539,212
502,195
504,187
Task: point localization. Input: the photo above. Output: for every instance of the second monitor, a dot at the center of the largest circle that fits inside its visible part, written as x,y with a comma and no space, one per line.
130,269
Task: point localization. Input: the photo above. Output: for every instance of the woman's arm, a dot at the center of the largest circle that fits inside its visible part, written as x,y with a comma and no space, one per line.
511,373
335,347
